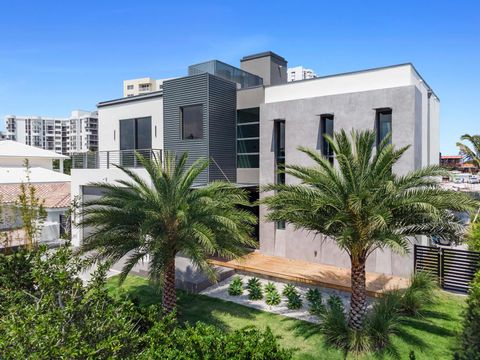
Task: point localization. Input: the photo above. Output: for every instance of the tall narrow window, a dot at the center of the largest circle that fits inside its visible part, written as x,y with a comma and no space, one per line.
192,122
383,124
280,158
135,134
326,124
248,138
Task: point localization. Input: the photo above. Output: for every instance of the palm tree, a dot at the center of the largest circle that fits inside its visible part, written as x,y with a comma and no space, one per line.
471,154
363,206
155,220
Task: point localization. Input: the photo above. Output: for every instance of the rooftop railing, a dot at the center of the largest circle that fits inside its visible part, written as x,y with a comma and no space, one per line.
108,159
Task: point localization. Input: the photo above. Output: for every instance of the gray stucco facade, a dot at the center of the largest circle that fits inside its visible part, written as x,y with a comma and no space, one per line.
302,128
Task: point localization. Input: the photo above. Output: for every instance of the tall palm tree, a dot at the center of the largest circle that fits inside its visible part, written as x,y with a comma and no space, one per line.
363,206
155,220
471,154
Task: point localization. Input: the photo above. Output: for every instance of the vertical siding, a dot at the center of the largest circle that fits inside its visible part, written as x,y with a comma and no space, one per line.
218,98
222,129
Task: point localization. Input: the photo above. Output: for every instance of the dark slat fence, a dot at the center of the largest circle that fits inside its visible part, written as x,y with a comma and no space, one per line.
453,268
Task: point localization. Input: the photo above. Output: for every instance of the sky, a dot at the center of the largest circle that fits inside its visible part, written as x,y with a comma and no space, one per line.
57,56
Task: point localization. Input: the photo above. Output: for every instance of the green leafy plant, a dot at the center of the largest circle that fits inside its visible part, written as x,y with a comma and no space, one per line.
317,308
288,290
471,326
236,287
272,297
419,294
334,301
473,236
253,282
294,301
270,287
255,292
313,295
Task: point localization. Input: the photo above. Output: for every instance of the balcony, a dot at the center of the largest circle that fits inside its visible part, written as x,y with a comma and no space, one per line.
108,159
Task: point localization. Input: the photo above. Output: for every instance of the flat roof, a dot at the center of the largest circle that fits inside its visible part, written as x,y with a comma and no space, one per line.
15,175
127,99
10,148
262,54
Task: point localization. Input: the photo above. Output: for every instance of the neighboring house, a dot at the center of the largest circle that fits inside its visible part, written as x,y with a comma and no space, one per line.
300,73
51,186
455,162
78,133
250,120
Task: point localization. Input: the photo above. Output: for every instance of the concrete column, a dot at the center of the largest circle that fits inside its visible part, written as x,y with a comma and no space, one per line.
61,166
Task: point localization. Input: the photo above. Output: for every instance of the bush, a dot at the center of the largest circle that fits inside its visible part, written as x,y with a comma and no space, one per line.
383,320
473,237
294,301
236,287
253,282
288,290
471,325
420,293
168,342
255,291
317,308
334,301
313,296
272,298
270,287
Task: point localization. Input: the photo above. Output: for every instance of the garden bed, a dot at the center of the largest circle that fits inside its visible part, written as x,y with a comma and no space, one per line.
220,291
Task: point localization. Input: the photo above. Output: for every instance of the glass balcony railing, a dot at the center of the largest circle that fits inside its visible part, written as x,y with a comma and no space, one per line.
108,159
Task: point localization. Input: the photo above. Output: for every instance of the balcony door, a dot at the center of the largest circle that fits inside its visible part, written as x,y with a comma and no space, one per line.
135,135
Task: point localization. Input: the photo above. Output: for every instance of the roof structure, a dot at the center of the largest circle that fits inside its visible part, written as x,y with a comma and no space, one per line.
9,148
54,195
16,175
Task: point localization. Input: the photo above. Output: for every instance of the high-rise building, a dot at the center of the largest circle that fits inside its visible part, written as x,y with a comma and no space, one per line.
141,86
77,133
300,73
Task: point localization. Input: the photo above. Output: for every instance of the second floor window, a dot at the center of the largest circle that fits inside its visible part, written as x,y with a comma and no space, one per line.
383,124
129,87
192,122
280,150
136,134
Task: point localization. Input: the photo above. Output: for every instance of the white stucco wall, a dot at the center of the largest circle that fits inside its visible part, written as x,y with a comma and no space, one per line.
109,117
19,162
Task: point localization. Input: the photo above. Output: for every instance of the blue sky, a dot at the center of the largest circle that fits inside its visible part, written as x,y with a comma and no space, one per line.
56,56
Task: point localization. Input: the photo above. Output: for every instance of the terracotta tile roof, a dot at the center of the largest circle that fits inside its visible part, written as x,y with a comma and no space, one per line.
56,195
453,157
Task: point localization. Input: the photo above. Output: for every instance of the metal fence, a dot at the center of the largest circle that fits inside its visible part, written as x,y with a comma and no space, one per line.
453,268
107,159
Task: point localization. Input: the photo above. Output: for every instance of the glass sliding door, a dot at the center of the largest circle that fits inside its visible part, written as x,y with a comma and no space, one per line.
135,136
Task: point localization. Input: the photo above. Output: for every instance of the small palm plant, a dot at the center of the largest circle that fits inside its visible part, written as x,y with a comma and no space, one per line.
363,205
236,286
288,290
314,298
272,297
154,218
470,153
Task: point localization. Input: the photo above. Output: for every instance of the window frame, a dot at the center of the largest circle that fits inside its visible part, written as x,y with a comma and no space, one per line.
324,144
182,122
378,112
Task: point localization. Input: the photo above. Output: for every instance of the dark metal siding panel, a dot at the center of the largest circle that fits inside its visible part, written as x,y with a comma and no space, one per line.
191,90
222,129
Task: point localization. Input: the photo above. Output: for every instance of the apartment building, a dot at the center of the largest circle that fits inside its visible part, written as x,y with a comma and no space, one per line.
77,133
141,86
300,73
249,120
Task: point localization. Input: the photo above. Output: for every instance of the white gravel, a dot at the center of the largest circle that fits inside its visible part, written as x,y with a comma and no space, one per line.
220,291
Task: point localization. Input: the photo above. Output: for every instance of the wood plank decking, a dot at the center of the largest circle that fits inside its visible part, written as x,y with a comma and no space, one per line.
310,273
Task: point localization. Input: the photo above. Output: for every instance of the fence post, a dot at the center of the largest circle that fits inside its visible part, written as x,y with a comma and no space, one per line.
108,159
440,267
414,258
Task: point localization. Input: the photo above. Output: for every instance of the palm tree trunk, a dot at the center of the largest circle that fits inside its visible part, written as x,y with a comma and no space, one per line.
358,299
169,294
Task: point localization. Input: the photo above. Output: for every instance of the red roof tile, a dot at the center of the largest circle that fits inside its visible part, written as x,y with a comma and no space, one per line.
56,195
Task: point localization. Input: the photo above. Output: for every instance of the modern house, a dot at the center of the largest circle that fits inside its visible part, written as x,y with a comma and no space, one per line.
249,120
51,187
77,133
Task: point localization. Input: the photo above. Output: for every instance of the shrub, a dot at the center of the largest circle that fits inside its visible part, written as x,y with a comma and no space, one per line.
421,292
313,296
253,282
270,287
473,237
288,289
471,325
334,326
383,320
236,287
255,289
317,308
168,341
272,298
334,301
294,301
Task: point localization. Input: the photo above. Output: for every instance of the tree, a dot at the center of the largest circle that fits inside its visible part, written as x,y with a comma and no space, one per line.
471,154
363,205
32,211
154,220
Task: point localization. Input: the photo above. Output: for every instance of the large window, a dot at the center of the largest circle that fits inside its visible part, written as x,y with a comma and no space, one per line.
192,122
384,124
248,138
326,124
279,139
136,134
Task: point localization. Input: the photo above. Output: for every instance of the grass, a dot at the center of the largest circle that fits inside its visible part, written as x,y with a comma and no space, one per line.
433,336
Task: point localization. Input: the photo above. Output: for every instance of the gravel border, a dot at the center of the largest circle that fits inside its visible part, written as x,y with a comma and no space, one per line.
220,291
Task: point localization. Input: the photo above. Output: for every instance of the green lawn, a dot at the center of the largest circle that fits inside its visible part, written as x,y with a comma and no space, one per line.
434,336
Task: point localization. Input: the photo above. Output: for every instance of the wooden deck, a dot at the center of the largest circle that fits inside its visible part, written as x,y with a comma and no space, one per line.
310,273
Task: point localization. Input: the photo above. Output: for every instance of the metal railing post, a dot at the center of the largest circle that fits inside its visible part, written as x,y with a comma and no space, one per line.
108,159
